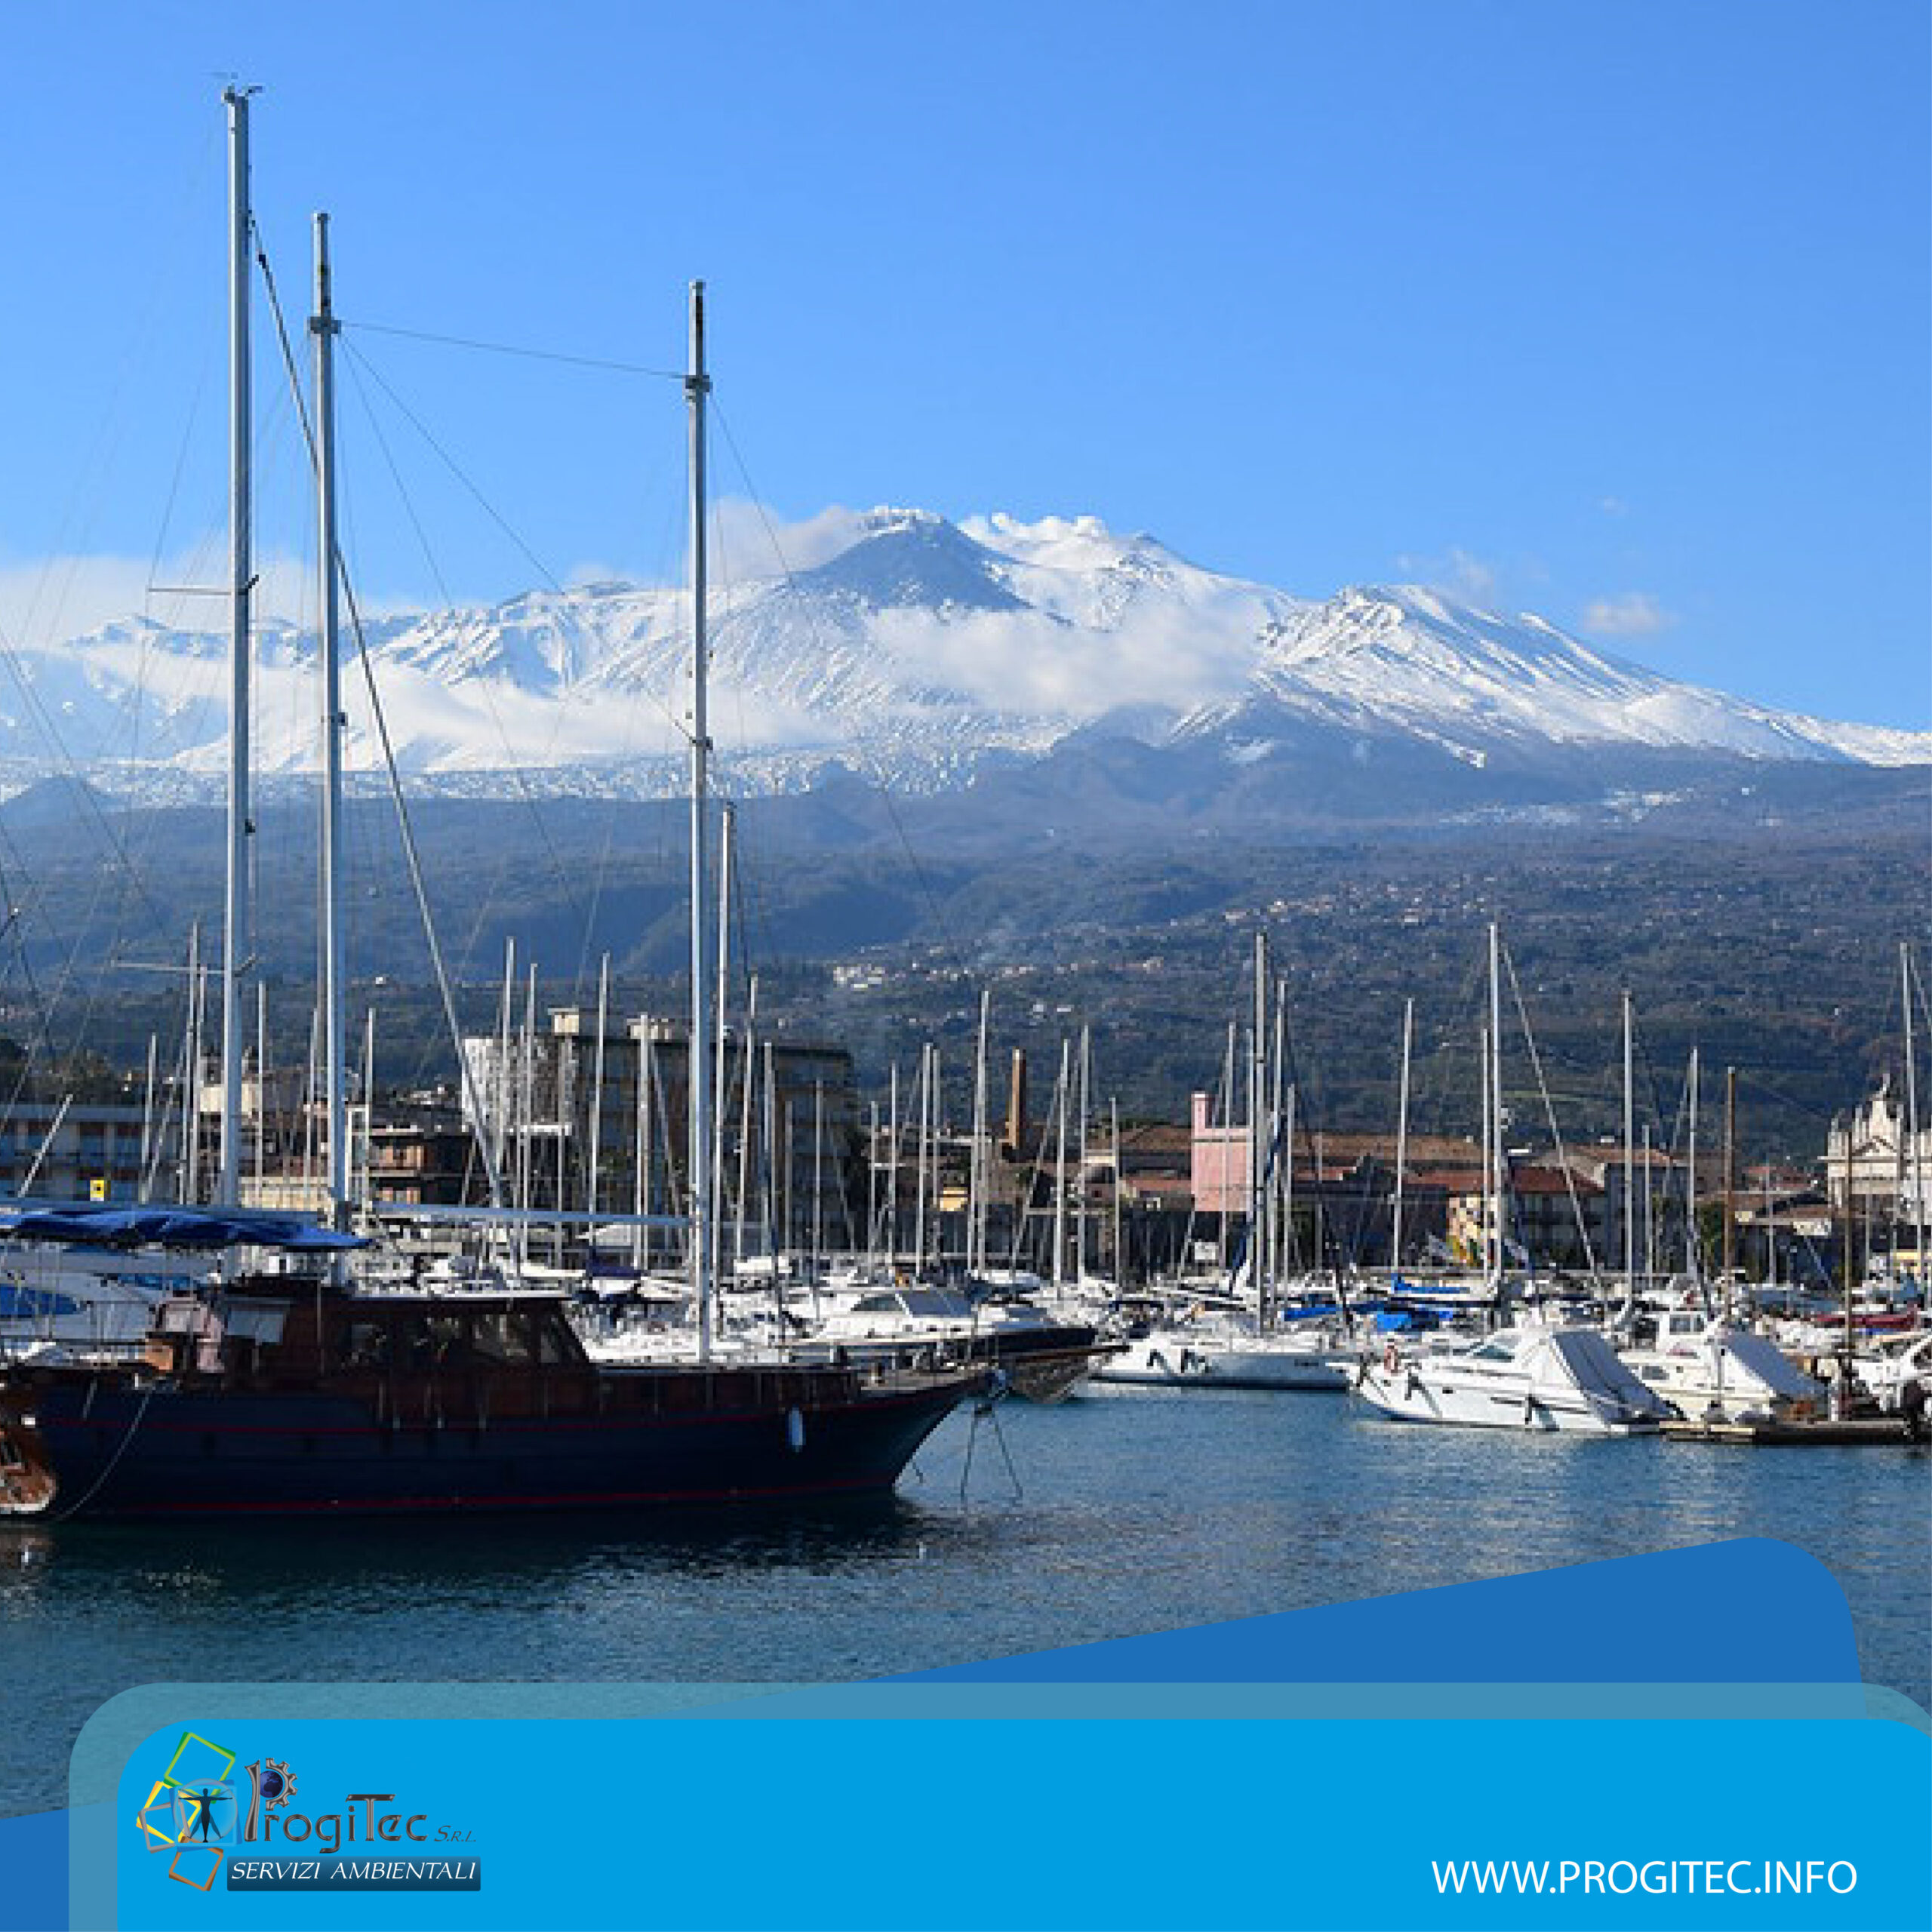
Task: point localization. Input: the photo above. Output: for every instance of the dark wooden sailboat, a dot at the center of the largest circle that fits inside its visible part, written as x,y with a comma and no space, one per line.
287,1396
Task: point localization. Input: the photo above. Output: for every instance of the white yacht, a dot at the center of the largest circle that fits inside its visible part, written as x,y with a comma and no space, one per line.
1232,1354
1705,1368
1552,1379
1884,1369
1045,1357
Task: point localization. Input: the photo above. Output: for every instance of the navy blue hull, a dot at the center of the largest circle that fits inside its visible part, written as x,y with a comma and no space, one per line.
117,1450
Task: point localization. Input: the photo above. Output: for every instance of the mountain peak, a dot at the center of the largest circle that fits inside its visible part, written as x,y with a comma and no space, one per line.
913,559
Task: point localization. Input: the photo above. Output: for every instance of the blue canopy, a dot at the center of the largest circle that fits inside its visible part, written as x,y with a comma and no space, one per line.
177,1227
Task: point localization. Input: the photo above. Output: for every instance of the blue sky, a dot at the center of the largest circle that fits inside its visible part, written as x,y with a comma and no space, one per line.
1619,312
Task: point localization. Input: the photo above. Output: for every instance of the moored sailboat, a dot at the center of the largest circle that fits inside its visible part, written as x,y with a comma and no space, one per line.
304,1391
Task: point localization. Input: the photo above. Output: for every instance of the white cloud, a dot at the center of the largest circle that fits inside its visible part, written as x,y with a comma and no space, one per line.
1630,613
756,544
1025,661
1458,571
45,603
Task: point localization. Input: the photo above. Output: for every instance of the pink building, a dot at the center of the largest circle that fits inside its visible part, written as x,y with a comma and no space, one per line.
1219,1165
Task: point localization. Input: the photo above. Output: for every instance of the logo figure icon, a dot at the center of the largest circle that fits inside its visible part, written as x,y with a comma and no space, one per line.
190,1811
203,1814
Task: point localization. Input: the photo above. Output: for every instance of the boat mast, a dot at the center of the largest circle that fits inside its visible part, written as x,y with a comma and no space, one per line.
1496,1168
721,1082
1629,1162
1059,1165
242,582
324,327
1691,1259
1281,1152
1401,1144
1080,1156
747,1094
1119,1269
1257,1094
1729,1179
697,386
593,1158
981,1169
892,1177
1913,1169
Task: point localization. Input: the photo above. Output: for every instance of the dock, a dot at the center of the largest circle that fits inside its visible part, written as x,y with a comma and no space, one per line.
1851,1432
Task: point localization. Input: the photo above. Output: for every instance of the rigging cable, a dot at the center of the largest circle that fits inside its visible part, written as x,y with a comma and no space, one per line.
407,830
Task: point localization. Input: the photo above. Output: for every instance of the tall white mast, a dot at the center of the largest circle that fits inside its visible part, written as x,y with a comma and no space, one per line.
1278,1236
242,582
594,1134
1401,1144
1060,1163
697,386
1913,1169
721,1082
923,1095
1257,1099
1630,1159
981,1169
1118,1269
1497,1183
892,1176
1691,1259
1080,1199
335,990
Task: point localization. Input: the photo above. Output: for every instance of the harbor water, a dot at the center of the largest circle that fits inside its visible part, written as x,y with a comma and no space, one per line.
1113,1514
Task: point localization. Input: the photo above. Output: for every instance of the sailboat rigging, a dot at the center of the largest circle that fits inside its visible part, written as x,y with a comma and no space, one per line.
303,1393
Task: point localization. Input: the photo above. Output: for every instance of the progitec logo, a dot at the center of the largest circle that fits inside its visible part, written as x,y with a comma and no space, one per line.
200,1809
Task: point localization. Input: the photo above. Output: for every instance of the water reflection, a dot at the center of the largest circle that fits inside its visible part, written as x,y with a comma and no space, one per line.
1134,1514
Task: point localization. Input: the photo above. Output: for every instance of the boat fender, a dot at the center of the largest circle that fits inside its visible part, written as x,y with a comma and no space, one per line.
795,1431
1392,1359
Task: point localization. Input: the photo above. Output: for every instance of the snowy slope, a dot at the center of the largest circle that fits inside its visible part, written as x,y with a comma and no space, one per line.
917,651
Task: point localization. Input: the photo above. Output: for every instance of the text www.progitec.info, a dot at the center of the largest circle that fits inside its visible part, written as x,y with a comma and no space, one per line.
1752,1876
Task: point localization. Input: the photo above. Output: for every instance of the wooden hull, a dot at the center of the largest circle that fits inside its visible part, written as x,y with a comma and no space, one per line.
102,1445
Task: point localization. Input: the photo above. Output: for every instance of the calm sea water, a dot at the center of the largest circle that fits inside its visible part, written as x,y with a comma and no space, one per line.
1133,1513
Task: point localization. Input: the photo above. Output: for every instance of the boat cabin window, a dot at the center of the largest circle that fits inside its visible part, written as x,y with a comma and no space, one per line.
552,1347
366,1344
934,1301
420,1341
1493,1351
499,1337
1687,1324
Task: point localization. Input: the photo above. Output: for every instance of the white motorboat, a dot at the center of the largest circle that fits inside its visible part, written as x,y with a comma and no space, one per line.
1883,1371
1569,1380
1045,1357
1233,1356
1708,1369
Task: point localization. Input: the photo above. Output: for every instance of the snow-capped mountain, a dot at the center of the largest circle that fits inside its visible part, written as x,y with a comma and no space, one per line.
916,651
